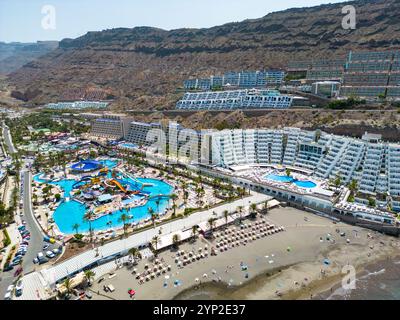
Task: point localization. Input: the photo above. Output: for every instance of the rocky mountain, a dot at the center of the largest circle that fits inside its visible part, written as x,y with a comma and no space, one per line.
14,55
143,66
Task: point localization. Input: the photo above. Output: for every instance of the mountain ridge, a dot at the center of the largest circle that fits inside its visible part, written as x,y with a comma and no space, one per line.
143,66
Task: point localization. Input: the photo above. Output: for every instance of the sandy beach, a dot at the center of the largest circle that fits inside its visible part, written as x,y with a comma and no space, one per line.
299,263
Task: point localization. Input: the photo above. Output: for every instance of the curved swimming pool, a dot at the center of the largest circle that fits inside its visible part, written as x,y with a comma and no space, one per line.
306,184
69,213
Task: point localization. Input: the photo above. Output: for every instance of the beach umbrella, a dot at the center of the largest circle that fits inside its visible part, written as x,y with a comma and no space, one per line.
214,271
166,277
289,249
205,275
197,280
327,262
131,292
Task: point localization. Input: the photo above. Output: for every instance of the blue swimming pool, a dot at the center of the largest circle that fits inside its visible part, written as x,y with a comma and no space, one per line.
305,184
129,145
286,179
69,213
72,212
277,178
110,164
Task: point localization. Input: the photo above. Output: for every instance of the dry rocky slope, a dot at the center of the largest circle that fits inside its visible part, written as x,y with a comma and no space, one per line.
15,55
144,66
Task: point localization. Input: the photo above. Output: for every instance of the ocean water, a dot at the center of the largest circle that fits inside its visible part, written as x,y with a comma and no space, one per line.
380,281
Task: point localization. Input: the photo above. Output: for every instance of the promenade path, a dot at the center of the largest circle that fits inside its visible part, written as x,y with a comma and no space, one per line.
37,284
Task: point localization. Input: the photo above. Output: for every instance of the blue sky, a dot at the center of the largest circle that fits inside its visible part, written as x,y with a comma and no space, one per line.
21,20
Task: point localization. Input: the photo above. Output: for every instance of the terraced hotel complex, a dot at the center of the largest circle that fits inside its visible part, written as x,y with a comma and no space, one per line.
374,164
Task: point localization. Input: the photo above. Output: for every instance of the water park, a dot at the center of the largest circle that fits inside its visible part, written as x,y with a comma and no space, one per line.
100,195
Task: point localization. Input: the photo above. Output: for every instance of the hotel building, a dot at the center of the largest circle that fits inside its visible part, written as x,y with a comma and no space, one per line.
235,99
111,126
374,164
244,79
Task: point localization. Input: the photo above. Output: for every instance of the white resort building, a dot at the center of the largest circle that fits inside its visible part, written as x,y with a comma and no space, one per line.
374,164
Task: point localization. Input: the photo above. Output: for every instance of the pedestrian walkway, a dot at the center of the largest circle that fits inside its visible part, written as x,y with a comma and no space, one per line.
122,246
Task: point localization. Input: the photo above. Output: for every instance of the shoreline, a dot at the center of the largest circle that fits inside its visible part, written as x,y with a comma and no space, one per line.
288,265
316,290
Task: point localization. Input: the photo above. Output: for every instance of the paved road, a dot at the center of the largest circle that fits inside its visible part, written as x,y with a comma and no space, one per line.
8,140
36,242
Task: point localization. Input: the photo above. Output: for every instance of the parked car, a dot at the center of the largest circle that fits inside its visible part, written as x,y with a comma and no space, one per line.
18,289
8,267
35,260
46,246
10,288
7,296
50,254
16,262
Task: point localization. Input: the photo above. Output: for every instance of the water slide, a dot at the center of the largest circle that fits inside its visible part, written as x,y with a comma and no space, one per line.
119,185
86,178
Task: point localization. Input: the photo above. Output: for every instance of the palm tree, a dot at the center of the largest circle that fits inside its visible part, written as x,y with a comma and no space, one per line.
353,186
175,240
158,205
253,208
174,206
226,216
240,210
153,216
124,219
155,242
35,198
76,228
135,253
338,181
68,286
89,276
211,224
194,232
88,218
266,207
174,197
